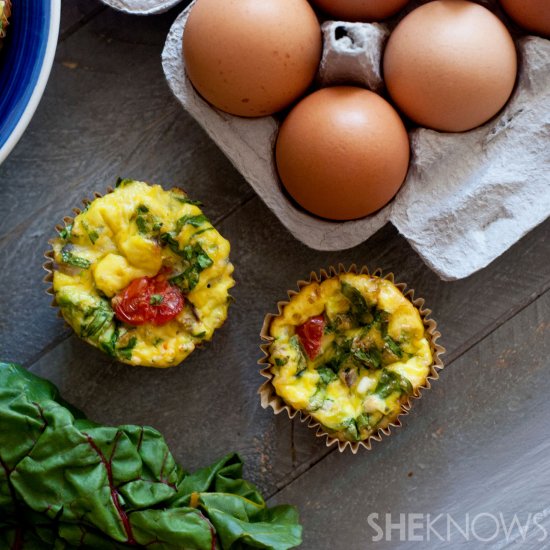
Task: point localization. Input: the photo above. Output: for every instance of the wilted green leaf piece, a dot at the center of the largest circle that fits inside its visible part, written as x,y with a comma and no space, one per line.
67,482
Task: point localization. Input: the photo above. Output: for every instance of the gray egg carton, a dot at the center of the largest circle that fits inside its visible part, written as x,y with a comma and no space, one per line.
467,197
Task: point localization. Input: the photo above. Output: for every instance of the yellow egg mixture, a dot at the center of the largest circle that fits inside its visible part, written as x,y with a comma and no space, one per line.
374,354
137,231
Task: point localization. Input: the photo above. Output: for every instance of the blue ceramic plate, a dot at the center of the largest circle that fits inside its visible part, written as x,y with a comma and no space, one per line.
25,63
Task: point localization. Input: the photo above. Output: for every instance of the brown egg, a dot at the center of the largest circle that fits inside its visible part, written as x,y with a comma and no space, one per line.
250,57
450,65
533,15
342,153
360,10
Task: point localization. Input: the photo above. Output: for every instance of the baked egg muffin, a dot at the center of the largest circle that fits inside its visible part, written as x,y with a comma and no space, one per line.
142,274
349,351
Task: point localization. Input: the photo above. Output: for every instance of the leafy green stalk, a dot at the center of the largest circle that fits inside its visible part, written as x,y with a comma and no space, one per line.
67,482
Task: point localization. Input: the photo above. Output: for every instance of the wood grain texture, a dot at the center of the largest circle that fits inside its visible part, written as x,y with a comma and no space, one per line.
75,14
107,112
477,444
209,405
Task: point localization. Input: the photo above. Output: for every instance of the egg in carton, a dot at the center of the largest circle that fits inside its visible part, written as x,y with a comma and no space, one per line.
467,197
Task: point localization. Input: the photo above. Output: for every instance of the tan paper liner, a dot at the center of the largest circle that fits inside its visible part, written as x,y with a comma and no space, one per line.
269,397
49,264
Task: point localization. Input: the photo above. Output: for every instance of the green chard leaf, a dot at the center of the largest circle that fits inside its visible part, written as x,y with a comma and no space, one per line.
370,358
391,382
125,491
66,232
195,221
393,346
67,257
359,310
121,182
156,299
186,200
326,375
93,235
126,351
195,259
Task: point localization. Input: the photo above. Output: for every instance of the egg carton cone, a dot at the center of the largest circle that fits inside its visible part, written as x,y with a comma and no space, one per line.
467,197
141,7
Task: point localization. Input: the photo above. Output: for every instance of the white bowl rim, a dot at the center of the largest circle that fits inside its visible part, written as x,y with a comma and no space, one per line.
36,96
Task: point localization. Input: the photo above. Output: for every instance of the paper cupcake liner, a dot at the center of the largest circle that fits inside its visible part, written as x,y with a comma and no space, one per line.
49,264
269,397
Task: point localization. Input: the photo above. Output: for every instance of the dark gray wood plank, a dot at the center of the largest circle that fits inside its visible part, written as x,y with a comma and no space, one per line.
107,112
209,405
477,444
76,13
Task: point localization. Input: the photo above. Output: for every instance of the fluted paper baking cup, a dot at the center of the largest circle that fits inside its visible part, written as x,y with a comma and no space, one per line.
269,397
49,264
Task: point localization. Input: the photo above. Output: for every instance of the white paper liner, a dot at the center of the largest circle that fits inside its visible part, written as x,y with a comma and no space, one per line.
467,198
269,397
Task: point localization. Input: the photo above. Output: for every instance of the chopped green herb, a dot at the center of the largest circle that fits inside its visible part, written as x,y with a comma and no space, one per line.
341,352
281,362
156,299
200,335
195,221
65,233
381,320
196,260
391,382
142,209
158,341
363,421
69,258
359,310
141,225
186,200
98,318
350,427
302,362
201,231
326,375
110,345
370,358
121,182
317,400
93,235
126,351
393,346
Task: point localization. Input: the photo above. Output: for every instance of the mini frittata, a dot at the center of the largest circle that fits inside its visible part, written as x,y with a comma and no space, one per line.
142,274
349,351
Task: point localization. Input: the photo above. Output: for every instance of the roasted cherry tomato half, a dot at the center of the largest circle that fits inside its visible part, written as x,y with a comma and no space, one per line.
148,300
311,334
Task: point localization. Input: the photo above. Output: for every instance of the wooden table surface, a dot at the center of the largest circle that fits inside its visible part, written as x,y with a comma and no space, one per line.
475,449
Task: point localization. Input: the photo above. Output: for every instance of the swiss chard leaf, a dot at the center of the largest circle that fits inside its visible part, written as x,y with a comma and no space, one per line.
66,482
370,358
67,257
359,309
195,259
391,382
